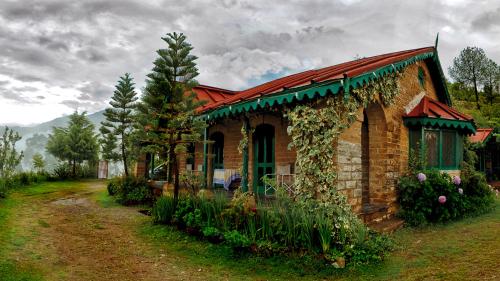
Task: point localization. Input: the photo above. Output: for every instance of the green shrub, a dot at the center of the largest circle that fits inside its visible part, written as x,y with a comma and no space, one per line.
236,240
113,186
420,203
131,190
212,234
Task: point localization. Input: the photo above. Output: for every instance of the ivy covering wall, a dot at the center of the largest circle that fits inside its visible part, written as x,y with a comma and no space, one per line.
314,129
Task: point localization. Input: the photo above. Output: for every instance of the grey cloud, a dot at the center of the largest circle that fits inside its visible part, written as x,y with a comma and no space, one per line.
91,55
70,43
13,95
487,20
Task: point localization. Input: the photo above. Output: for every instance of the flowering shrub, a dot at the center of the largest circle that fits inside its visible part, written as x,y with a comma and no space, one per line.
432,196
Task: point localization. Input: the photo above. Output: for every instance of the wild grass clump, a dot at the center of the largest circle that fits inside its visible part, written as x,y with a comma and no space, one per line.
20,180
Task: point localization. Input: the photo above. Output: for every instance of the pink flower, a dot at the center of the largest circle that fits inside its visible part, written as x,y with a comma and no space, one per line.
456,180
442,199
461,191
421,177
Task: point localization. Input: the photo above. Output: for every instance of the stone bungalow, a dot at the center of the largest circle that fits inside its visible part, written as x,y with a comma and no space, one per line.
371,154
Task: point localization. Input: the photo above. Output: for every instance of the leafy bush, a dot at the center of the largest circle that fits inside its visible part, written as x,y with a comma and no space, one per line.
237,240
130,190
433,196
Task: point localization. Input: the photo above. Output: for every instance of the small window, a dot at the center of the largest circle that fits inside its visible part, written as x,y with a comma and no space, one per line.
421,77
442,149
432,148
449,148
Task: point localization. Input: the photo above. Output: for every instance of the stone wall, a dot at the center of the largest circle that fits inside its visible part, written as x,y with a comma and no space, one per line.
387,141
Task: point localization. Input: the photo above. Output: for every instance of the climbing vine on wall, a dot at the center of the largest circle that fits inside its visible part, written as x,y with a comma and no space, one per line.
388,87
244,138
314,129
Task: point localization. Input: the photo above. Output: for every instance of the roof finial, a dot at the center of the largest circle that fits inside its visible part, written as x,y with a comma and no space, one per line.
437,40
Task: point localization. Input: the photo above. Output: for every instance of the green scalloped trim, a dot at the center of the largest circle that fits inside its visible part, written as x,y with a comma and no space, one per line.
316,90
467,126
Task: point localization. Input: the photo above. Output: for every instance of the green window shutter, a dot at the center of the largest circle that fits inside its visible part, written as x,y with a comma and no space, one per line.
449,149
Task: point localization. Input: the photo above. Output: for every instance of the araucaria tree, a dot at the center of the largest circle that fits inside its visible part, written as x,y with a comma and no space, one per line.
76,143
119,121
168,106
9,157
469,68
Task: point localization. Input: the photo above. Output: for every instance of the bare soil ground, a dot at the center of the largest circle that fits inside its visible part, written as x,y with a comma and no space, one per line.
67,235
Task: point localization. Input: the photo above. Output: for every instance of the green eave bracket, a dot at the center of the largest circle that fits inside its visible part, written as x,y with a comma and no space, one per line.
316,90
466,126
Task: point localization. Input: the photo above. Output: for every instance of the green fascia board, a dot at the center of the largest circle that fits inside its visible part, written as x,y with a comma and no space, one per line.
316,90
467,126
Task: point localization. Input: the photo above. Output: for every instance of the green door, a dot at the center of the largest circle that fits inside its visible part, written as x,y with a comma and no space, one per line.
263,155
218,150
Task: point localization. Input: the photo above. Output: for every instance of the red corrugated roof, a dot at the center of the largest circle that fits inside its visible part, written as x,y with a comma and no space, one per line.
481,135
211,94
351,69
434,109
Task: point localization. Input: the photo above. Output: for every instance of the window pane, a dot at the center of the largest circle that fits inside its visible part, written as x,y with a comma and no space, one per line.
415,139
449,149
432,149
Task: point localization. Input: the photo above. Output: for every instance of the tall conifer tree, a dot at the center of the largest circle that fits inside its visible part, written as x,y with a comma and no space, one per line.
168,106
119,121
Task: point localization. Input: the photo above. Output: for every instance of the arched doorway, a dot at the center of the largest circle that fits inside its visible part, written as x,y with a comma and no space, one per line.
218,150
263,147
373,155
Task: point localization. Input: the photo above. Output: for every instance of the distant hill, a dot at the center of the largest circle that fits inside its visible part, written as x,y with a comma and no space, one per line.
46,127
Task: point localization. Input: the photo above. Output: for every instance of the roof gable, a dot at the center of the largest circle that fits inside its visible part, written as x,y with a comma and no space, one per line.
481,135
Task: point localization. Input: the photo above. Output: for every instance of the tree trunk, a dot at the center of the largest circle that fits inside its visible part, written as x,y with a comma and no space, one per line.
477,94
74,168
176,180
124,157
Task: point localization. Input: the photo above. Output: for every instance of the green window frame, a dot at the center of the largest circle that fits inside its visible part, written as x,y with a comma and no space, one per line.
442,148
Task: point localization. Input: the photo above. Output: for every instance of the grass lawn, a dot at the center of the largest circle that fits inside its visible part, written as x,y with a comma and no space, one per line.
13,239
464,250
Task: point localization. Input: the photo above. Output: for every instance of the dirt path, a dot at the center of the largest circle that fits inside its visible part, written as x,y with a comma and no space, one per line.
69,236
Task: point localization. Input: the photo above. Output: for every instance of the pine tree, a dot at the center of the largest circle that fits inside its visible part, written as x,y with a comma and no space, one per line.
168,106
119,120
468,68
76,143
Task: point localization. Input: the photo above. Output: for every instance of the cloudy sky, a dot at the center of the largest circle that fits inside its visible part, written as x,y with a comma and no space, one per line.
60,55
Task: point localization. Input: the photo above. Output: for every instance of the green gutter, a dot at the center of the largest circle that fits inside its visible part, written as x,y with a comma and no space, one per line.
467,126
316,90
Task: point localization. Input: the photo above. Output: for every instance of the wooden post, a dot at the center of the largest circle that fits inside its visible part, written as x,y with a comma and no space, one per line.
205,159
244,176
